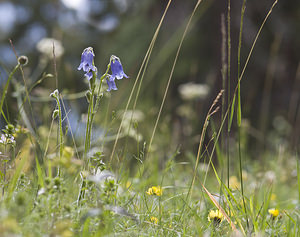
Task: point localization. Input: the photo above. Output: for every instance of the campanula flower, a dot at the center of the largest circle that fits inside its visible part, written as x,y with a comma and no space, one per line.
116,68
87,60
111,85
89,75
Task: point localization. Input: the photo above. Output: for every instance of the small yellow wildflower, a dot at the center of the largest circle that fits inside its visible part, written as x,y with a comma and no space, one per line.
234,184
273,197
153,220
215,216
128,184
273,212
155,191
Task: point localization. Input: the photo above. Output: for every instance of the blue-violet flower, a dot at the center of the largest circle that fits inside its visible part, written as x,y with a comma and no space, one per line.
89,75
116,68
111,85
87,60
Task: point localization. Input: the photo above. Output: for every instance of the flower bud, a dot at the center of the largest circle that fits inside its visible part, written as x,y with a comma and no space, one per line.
23,60
54,94
55,114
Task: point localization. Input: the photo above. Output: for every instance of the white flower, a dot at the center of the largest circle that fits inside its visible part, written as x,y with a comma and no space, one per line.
192,91
7,139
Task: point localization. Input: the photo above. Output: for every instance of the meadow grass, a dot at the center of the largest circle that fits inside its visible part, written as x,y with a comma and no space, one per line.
127,185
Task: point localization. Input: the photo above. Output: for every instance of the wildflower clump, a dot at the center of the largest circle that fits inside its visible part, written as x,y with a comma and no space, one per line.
215,216
155,190
273,212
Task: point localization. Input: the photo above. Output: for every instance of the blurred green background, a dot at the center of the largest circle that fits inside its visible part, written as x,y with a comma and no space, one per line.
270,87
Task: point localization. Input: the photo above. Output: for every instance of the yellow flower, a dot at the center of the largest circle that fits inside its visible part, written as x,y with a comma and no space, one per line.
128,184
273,197
234,184
215,216
155,191
273,212
153,220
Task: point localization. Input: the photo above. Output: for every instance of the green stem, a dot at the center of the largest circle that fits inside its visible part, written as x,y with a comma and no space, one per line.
6,86
56,96
228,88
239,109
88,126
92,110
60,128
91,114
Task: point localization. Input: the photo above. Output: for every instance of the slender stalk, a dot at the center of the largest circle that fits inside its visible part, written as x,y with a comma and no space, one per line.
172,71
87,143
93,110
7,84
239,109
56,96
147,55
60,128
228,88
223,70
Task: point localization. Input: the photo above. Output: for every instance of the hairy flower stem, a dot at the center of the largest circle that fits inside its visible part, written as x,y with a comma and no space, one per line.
88,124
92,110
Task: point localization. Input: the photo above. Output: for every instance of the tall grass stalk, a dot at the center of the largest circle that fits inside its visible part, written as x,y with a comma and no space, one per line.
143,67
223,70
224,73
213,109
255,40
172,71
239,108
6,87
228,87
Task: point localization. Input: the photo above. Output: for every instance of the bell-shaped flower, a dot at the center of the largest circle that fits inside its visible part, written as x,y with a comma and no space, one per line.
116,68
87,60
111,84
89,75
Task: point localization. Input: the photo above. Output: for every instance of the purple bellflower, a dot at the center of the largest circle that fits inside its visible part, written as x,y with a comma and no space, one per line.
87,62
117,72
116,68
111,84
89,75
